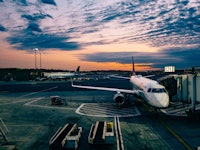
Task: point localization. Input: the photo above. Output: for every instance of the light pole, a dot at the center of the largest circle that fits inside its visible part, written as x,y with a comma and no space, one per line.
35,49
40,60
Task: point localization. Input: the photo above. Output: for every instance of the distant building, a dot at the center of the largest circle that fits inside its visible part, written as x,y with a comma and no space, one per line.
169,69
10,74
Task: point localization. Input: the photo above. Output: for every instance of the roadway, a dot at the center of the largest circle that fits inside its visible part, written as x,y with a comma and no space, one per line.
32,121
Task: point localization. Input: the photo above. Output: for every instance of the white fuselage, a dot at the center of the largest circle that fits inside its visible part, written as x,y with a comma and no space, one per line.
151,91
61,75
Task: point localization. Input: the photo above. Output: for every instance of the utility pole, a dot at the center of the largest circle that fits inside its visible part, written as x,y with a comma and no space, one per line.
35,49
40,60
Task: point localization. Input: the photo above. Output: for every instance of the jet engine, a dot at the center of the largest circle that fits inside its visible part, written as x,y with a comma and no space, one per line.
119,98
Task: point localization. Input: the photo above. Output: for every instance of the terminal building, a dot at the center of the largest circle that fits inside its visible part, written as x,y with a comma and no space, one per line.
184,88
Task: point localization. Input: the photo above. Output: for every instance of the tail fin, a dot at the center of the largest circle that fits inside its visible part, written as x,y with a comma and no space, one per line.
78,69
133,69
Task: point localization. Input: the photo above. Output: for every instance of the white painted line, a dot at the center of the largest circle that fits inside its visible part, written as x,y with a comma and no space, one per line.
78,109
18,101
36,99
177,114
120,144
104,110
116,133
14,102
51,107
41,106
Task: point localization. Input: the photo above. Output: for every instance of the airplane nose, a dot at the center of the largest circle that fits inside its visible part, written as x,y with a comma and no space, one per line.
165,101
162,100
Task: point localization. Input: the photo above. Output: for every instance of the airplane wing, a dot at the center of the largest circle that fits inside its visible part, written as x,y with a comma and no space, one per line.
149,76
120,77
106,89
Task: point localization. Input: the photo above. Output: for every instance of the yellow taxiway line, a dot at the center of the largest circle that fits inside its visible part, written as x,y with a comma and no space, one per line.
187,146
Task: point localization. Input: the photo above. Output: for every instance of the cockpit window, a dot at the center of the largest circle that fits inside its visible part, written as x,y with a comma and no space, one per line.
158,90
149,90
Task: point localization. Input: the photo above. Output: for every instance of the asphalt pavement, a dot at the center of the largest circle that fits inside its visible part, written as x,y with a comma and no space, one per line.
31,120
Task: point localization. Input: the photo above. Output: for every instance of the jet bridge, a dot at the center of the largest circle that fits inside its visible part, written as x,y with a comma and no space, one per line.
183,87
187,87
184,92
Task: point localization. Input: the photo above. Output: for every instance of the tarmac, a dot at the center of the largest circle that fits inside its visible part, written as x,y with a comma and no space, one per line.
31,120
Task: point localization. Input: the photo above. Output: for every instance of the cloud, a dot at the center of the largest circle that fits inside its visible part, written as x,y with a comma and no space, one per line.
34,21
168,22
89,17
50,2
29,39
36,16
121,57
187,56
158,23
179,57
30,31
2,28
154,23
21,2
33,27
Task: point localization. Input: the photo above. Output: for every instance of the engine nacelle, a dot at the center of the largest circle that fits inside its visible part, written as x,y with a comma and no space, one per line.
119,98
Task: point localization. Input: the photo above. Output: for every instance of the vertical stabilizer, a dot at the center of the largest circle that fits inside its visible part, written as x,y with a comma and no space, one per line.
133,65
78,69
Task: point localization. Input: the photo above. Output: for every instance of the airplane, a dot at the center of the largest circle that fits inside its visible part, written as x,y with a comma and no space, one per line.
64,75
150,90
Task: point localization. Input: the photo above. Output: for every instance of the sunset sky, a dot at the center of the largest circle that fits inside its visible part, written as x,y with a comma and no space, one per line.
100,35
